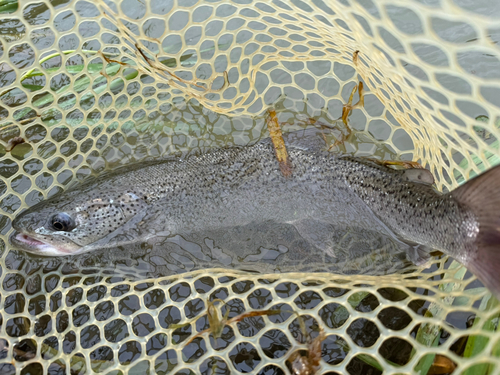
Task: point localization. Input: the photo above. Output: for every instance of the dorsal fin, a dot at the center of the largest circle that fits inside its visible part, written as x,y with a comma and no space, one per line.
417,175
421,176
309,139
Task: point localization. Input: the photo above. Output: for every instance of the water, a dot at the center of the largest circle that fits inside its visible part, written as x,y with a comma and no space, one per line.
57,153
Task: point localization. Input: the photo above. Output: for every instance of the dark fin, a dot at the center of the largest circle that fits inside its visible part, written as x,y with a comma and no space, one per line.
482,196
416,253
421,176
309,139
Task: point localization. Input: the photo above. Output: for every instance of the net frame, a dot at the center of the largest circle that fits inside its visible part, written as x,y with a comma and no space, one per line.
453,129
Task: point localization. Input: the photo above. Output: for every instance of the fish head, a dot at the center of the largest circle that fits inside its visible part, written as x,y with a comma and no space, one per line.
77,221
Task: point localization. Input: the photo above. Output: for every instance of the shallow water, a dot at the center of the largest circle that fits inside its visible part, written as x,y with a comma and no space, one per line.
191,129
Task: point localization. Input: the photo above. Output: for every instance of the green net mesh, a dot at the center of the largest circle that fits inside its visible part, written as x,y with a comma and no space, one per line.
90,86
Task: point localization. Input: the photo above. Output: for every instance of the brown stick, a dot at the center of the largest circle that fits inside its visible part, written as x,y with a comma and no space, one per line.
355,57
278,143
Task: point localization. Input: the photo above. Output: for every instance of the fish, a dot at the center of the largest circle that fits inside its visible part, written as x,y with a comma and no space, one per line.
342,207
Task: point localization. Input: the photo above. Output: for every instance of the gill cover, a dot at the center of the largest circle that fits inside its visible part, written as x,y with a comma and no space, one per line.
104,221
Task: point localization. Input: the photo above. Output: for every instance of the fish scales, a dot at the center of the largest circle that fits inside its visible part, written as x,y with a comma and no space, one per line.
411,210
415,211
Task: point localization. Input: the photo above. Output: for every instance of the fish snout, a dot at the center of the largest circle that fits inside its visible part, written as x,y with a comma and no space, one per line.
20,222
26,223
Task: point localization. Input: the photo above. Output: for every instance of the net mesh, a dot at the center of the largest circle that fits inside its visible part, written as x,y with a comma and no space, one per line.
89,86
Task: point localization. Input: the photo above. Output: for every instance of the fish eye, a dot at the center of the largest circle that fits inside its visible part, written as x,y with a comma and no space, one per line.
62,222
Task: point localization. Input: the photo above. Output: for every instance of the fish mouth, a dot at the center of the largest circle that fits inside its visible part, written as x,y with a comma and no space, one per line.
36,246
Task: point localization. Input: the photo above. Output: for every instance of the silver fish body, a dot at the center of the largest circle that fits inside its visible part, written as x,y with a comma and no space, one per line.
326,200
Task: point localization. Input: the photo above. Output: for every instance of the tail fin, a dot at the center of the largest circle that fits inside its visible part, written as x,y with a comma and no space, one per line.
482,196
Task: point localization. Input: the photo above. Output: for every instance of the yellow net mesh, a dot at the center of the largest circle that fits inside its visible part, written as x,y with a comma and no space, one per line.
89,86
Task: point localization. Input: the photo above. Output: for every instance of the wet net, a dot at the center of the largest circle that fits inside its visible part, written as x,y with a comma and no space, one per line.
90,86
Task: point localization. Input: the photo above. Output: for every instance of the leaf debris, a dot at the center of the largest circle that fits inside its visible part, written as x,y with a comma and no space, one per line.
217,322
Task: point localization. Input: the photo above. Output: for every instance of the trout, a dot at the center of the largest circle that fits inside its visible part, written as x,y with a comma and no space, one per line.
340,206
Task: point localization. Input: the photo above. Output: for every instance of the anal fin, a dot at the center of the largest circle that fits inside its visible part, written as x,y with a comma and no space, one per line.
419,254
